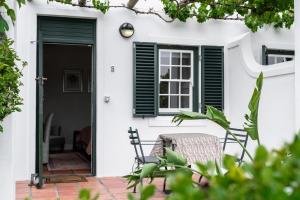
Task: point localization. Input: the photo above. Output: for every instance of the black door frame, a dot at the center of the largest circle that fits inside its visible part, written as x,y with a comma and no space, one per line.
39,101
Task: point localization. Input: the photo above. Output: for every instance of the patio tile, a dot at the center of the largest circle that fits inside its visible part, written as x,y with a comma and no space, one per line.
108,188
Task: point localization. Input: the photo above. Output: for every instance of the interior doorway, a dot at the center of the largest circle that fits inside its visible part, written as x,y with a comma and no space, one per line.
67,109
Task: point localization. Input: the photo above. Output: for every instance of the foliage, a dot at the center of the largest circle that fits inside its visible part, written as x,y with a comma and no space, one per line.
10,82
146,192
10,13
251,126
255,13
85,194
212,114
273,175
172,161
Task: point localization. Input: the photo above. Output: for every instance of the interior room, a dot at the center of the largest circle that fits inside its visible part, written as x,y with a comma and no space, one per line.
67,109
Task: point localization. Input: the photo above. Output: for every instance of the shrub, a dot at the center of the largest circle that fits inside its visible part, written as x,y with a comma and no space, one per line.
10,75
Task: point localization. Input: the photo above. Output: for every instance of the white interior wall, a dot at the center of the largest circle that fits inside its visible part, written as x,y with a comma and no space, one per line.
114,153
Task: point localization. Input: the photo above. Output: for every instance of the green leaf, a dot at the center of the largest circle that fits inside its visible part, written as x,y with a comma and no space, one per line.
261,154
3,25
251,124
148,170
229,161
217,116
212,114
147,192
130,196
175,158
84,194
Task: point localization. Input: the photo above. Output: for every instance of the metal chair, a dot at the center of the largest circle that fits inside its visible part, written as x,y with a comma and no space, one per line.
242,136
138,144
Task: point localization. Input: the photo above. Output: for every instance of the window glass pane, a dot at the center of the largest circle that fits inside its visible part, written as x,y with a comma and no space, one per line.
164,72
175,73
288,59
186,72
185,87
185,102
280,59
163,101
174,87
174,101
175,58
186,59
164,58
164,87
271,60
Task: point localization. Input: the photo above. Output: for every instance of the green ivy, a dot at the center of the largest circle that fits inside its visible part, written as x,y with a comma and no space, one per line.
255,13
10,83
9,12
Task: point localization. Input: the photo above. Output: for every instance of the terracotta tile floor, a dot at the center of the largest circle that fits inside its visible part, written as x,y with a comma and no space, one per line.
109,188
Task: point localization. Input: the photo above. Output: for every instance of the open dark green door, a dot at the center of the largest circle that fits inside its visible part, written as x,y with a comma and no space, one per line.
60,30
39,108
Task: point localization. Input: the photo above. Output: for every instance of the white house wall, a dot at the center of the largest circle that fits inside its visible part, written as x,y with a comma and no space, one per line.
114,153
276,113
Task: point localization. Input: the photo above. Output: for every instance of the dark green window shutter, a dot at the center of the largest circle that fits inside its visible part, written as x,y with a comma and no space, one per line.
145,79
212,67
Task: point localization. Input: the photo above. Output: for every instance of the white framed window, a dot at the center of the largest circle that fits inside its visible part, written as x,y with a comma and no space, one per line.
176,68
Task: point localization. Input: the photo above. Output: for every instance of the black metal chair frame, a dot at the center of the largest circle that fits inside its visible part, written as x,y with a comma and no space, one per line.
242,136
138,144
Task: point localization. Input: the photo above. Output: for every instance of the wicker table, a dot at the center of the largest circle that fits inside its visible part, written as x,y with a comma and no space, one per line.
196,147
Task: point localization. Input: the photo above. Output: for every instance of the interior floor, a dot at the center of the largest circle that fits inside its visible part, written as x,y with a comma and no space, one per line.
67,109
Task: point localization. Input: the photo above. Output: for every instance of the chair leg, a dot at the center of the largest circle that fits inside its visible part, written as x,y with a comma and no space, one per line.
200,178
165,182
134,189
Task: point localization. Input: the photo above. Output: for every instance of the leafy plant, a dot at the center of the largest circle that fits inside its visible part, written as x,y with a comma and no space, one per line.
251,126
10,13
10,76
85,194
171,163
273,175
279,13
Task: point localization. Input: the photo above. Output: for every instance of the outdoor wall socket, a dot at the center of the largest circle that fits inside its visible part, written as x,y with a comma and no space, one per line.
112,68
106,99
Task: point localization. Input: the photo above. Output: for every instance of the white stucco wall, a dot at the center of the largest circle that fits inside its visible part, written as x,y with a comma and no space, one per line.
114,153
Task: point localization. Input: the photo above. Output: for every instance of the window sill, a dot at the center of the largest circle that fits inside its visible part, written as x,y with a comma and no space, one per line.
166,121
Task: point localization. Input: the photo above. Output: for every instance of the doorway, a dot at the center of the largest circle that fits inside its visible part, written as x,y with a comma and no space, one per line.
66,99
67,109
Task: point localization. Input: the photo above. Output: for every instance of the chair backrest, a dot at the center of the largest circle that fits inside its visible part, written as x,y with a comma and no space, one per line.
47,128
136,142
241,135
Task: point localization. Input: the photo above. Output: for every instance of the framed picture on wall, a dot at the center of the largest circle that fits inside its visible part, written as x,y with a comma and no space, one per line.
72,80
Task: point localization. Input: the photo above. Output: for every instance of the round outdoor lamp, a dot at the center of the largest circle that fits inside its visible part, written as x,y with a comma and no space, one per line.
126,30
